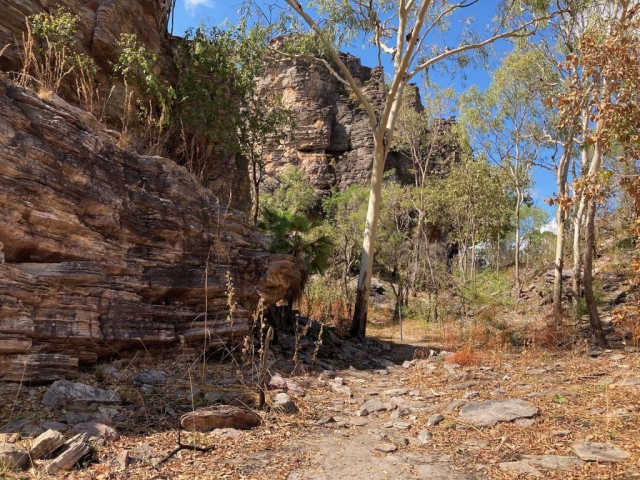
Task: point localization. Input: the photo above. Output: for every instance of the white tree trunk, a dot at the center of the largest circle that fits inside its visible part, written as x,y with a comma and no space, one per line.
359,322
561,219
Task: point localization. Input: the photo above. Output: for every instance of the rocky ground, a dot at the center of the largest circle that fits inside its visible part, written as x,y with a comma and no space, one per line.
391,411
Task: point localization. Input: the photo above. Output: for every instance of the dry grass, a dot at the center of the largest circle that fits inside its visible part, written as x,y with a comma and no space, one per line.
574,393
467,357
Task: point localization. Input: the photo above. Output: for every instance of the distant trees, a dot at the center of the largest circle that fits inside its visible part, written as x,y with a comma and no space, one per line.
581,57
504,123
472,204
607,93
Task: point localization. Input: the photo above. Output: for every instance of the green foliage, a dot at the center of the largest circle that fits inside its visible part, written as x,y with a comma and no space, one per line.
304,44
471,202
424,136
57,29
51,55
208,94
148,101
136,65
218,102
491,289
557,398
504,120
347,208
294,234
345,213
396,227
294,194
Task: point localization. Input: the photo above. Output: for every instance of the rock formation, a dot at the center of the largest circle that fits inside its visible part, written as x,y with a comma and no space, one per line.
105,250
100,26
332,141
98,30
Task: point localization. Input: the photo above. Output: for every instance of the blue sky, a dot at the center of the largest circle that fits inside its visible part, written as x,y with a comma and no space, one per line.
191,13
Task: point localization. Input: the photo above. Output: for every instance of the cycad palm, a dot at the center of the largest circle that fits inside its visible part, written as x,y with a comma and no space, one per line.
292,235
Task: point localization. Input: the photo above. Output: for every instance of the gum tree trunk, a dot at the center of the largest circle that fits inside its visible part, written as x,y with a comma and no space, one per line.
589,248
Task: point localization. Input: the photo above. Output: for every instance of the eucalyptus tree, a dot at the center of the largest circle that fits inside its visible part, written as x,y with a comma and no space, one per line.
593,48
503,123
408,34
577,97
608,60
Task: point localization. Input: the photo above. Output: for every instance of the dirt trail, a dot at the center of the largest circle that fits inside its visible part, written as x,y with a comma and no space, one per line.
403,419
345,447
392,411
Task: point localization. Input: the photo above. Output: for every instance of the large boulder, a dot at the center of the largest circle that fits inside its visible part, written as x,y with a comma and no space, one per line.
64,394
220,416
489,412
13,457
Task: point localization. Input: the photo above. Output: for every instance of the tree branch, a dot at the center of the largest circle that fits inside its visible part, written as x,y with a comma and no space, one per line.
336,58
474,46
402,61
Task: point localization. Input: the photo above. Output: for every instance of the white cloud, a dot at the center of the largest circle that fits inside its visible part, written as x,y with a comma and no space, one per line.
552,227
193,4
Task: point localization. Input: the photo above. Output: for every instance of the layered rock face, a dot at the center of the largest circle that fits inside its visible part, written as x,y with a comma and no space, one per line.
98,31
101,23
332,141
104,250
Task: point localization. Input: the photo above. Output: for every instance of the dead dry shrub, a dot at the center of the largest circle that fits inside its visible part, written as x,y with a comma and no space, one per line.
628,318
467,356
461,333
324,301
552,336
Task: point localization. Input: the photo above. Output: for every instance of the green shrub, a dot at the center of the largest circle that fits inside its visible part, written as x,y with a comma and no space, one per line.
153,99
51,56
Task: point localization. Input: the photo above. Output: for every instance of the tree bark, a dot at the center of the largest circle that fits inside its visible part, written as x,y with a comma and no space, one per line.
577,258
589,247
561,220
579,218
517,253
559,264
359,322
256,200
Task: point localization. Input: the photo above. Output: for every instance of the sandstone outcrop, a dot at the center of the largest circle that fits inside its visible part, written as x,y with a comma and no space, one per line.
105,250
332,141
101,22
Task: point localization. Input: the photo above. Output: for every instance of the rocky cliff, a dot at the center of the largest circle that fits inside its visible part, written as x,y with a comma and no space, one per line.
101,23
98,30
332,141
103,250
